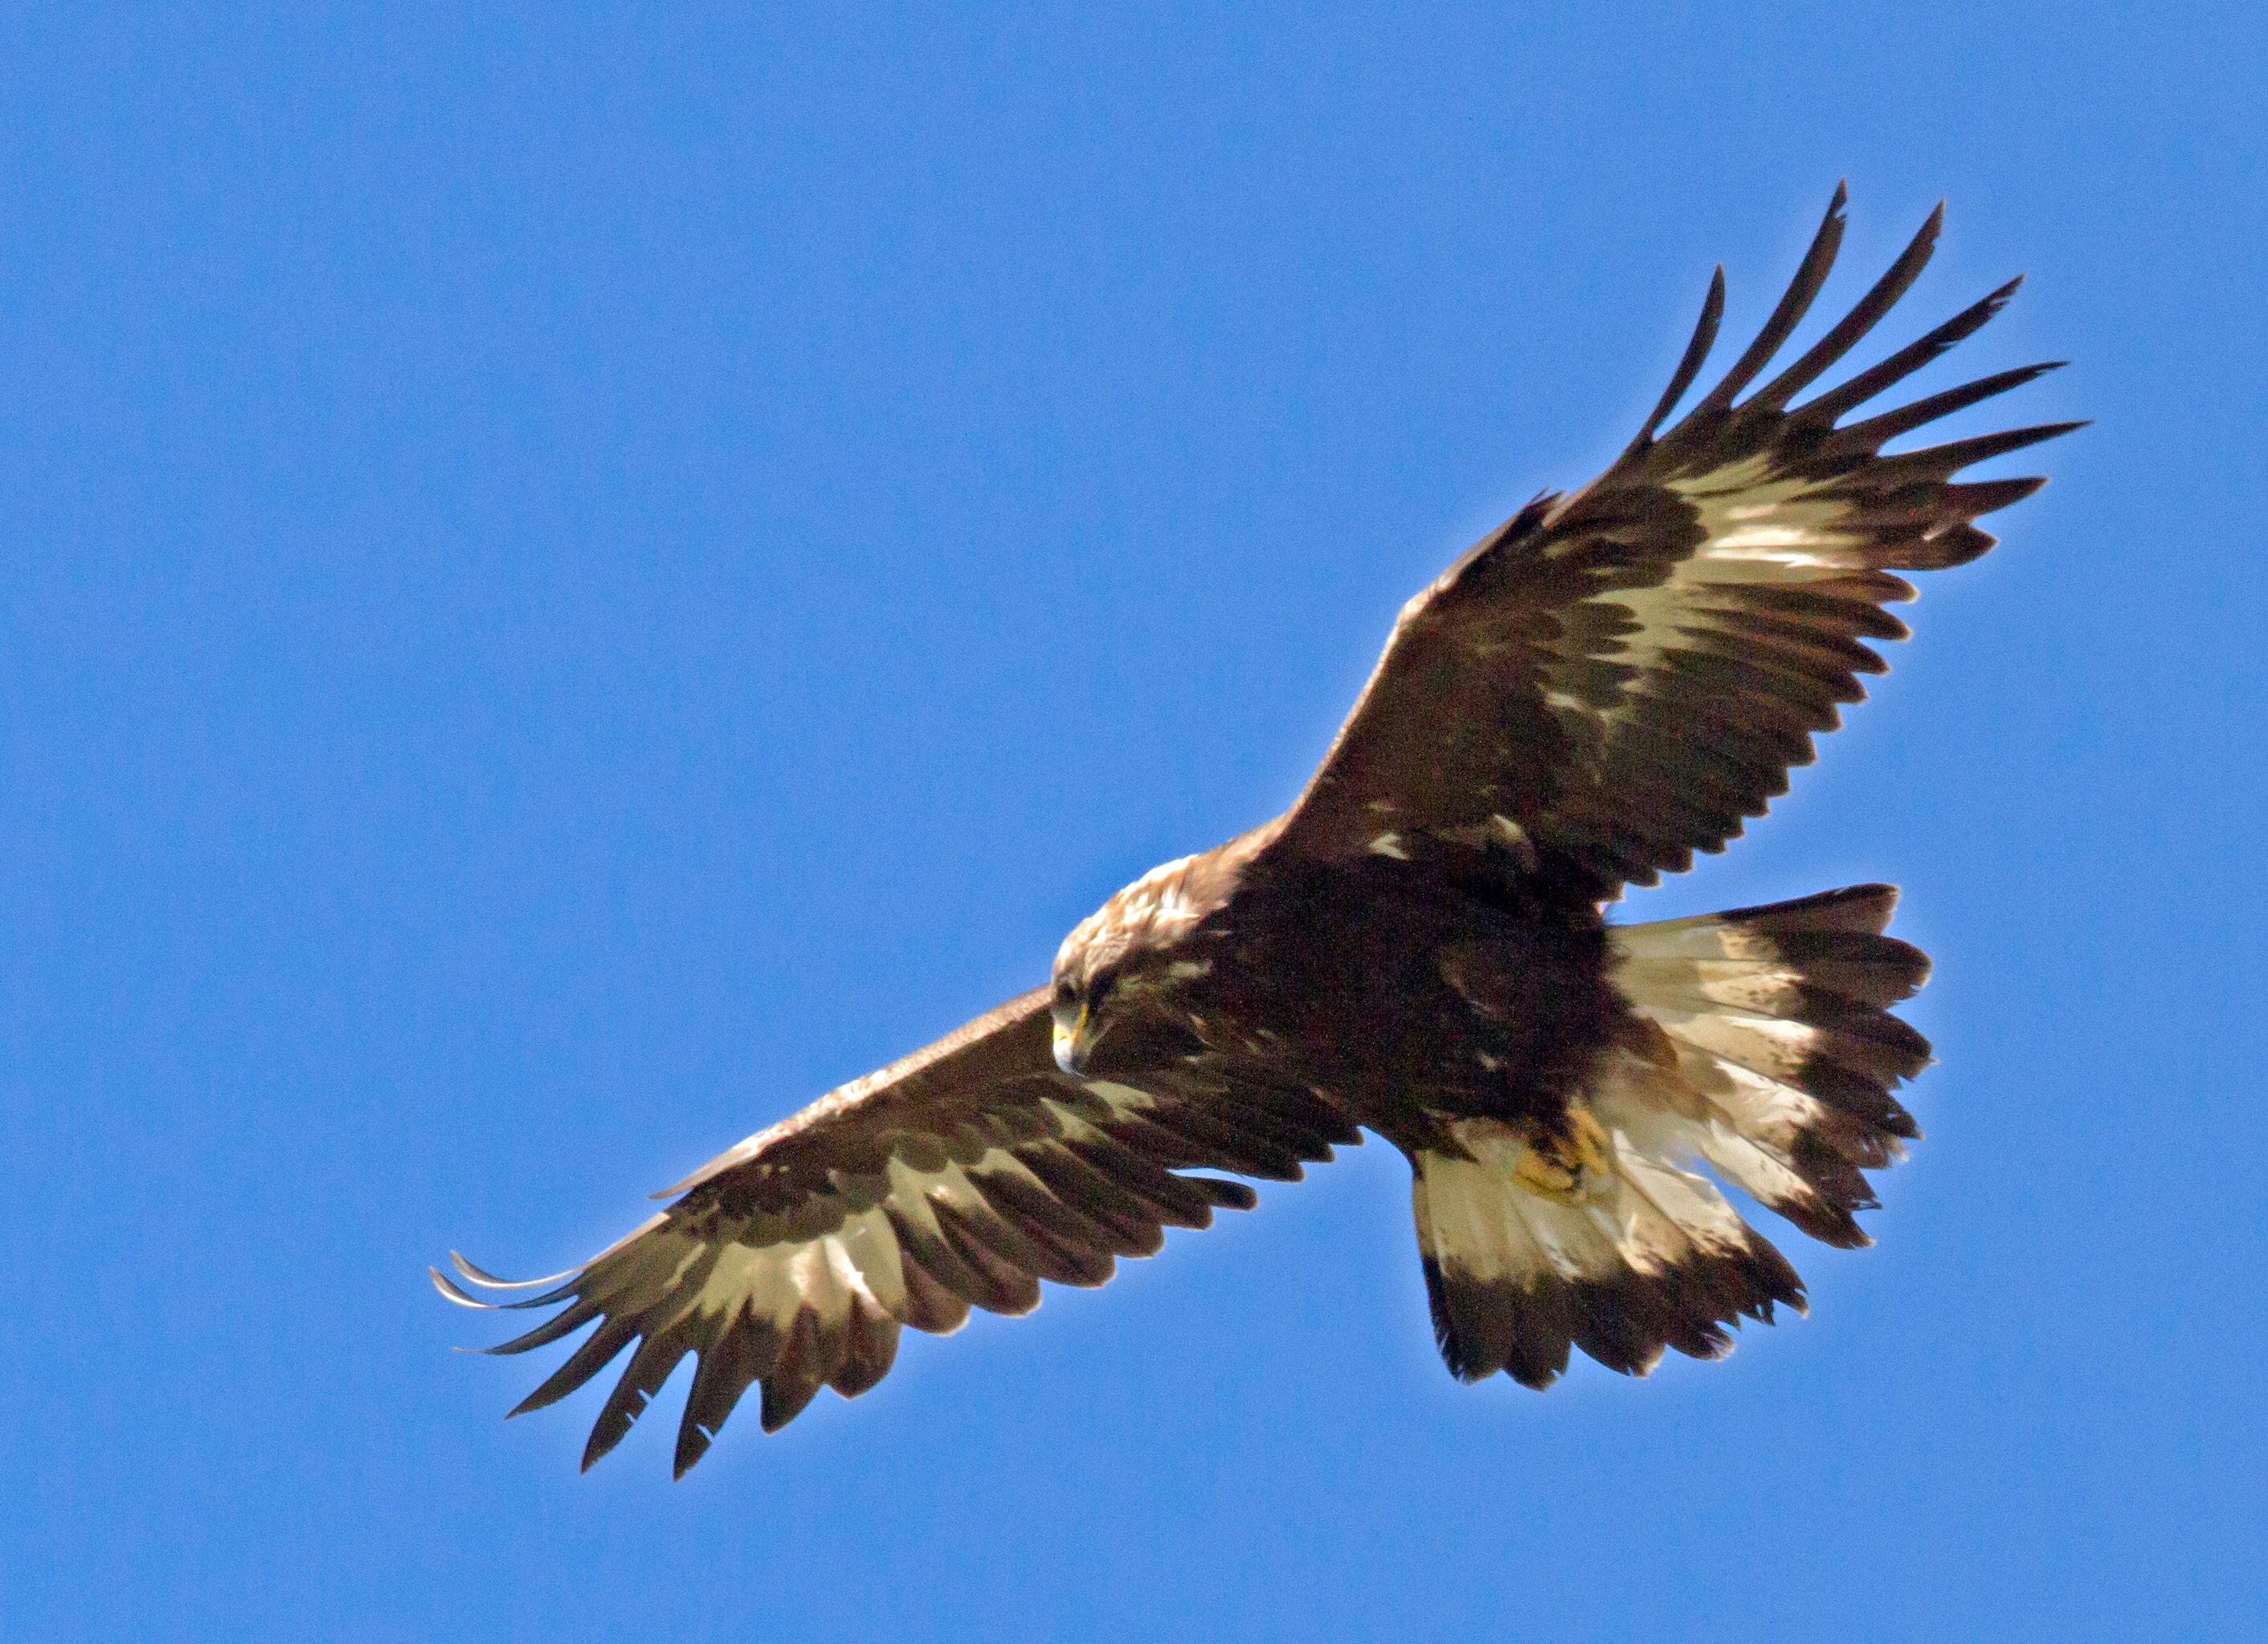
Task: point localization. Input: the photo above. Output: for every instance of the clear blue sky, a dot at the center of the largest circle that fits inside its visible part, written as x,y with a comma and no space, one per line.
575,577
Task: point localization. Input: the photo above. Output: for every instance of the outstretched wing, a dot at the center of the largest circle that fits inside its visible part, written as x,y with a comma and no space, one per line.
960,1175
1617,678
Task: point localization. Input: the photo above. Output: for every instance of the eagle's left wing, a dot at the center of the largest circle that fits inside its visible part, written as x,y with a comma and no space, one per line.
963,1175
1617,678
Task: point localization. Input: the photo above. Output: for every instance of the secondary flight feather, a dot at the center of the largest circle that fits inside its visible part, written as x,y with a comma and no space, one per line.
1613,679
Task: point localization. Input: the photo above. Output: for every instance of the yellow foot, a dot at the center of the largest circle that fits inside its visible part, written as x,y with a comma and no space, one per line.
1562,1164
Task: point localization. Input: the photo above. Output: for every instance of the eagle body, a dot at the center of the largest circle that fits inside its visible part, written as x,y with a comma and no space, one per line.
1411,993
1616,678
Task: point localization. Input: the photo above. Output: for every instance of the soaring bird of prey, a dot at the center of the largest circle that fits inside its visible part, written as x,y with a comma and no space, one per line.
1615,678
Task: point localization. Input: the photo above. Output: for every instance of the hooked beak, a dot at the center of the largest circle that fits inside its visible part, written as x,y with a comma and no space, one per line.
1075,1037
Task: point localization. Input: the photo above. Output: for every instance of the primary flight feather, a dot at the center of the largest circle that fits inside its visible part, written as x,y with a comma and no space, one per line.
1611,681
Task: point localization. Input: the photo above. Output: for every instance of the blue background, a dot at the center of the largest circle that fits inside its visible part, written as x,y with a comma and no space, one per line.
573,579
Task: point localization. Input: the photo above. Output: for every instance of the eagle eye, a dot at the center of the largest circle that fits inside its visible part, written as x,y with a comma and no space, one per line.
1066,992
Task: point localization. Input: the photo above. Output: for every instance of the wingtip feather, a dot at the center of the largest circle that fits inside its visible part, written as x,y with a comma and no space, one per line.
451,1292
489,1281
1810,274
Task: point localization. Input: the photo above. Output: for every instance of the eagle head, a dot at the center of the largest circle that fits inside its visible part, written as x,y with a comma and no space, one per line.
1133,950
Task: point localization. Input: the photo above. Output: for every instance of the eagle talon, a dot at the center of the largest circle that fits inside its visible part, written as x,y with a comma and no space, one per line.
1562,1166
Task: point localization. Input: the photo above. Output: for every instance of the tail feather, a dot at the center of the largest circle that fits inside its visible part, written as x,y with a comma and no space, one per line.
1775,1019
1647,1257
1763,1047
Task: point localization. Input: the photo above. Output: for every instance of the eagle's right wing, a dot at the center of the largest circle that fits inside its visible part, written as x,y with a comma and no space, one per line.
1622,676
960,1175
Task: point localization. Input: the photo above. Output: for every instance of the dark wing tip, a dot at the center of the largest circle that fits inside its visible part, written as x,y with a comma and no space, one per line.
1866,438
1689,363
1978,498
1865,315
1829,407
1224,1194
693,1442
1788,314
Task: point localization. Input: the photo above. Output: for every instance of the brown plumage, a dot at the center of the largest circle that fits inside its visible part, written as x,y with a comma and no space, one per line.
1613,680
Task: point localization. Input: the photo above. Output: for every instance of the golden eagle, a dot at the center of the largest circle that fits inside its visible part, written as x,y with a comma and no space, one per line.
1613,680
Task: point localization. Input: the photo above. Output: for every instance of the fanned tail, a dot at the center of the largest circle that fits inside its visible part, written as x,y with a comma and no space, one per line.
1786,1050
1761,1044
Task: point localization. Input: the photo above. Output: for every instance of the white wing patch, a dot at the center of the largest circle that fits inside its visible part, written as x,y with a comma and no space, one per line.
860,1264
1750,516
856,1265
1759,530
